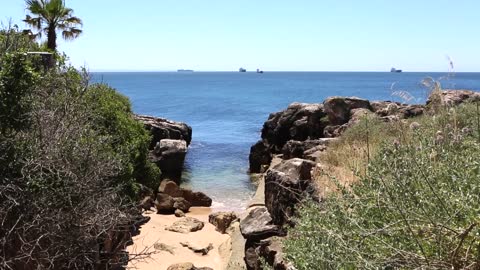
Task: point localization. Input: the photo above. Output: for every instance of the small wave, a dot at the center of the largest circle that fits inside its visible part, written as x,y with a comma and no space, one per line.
195,145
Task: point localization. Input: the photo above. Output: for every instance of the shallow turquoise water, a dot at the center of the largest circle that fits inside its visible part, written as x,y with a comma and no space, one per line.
227,109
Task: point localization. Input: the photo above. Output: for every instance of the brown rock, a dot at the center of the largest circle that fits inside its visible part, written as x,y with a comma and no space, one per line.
222,220
186,225
338,108
186,266
258,225
181,204
164,203
179,213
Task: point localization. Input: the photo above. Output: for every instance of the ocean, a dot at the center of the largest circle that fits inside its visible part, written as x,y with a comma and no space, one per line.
227,109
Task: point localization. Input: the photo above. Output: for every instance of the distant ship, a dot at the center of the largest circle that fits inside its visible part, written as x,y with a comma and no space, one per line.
395,70
185,70
242,70
259,71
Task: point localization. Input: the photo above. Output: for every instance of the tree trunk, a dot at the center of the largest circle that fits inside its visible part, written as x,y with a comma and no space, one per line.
52,38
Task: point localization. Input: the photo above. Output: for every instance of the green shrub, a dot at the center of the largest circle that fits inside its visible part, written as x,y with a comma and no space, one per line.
112,117
416,208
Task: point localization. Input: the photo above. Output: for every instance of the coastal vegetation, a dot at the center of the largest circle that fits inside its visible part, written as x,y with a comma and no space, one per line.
73,161
396,195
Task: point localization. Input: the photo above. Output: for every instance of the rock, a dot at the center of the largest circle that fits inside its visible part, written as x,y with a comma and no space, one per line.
162,128
164,247
182,266
296,149
181,204
194,198
271,250
146,203
179,213
164,203
252,259
286,184
258,224
259,155
169,155
186,225
392,111
338,108
171,188
299,121
453,97
186,266
358,114
334,131
197,198
197,248
222,220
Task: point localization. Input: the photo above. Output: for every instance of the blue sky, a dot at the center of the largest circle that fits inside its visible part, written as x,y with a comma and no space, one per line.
274,35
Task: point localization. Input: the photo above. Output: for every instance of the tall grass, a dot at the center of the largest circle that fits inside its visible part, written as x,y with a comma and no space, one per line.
418,207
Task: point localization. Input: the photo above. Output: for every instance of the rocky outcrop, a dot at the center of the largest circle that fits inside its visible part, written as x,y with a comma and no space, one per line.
454,97
339,109
198,248
222,220
186,225
293,130
298,149
194,198
169,143
161,128
287,184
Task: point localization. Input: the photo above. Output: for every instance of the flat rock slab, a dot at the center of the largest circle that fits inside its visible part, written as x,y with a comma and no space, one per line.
164,247
187,266
198,248
186,225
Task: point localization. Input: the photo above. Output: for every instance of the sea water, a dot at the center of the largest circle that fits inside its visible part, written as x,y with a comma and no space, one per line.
226,111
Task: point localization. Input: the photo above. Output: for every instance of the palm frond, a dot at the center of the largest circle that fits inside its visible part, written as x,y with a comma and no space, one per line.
71,33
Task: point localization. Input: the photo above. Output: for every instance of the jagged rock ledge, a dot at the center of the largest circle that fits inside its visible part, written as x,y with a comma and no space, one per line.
286,155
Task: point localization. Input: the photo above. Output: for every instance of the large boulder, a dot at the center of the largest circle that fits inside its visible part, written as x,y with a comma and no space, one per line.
169,155
194,198
161,128
339,109
164,203
299,121
287,184
222,220
258,225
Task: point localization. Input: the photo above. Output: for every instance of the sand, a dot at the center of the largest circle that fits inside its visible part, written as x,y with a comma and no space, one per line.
154,232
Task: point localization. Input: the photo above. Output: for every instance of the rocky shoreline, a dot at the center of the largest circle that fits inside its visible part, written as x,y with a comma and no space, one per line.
288,154
182,227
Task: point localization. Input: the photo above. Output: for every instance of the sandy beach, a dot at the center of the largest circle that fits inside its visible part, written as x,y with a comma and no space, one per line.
154,232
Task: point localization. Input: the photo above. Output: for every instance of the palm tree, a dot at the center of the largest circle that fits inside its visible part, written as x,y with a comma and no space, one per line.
50,16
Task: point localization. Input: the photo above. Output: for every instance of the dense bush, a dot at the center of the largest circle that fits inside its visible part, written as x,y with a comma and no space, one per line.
71,159
416,207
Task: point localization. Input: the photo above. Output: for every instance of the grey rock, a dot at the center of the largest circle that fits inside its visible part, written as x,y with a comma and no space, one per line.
287,184
198,248
164,247
169,155
258,224
162,128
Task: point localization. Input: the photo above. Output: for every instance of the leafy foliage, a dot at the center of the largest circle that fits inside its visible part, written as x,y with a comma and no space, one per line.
417,207
49,16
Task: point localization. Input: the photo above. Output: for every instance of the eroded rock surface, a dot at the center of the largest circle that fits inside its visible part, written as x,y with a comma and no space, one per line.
186,225
222,220
258,224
